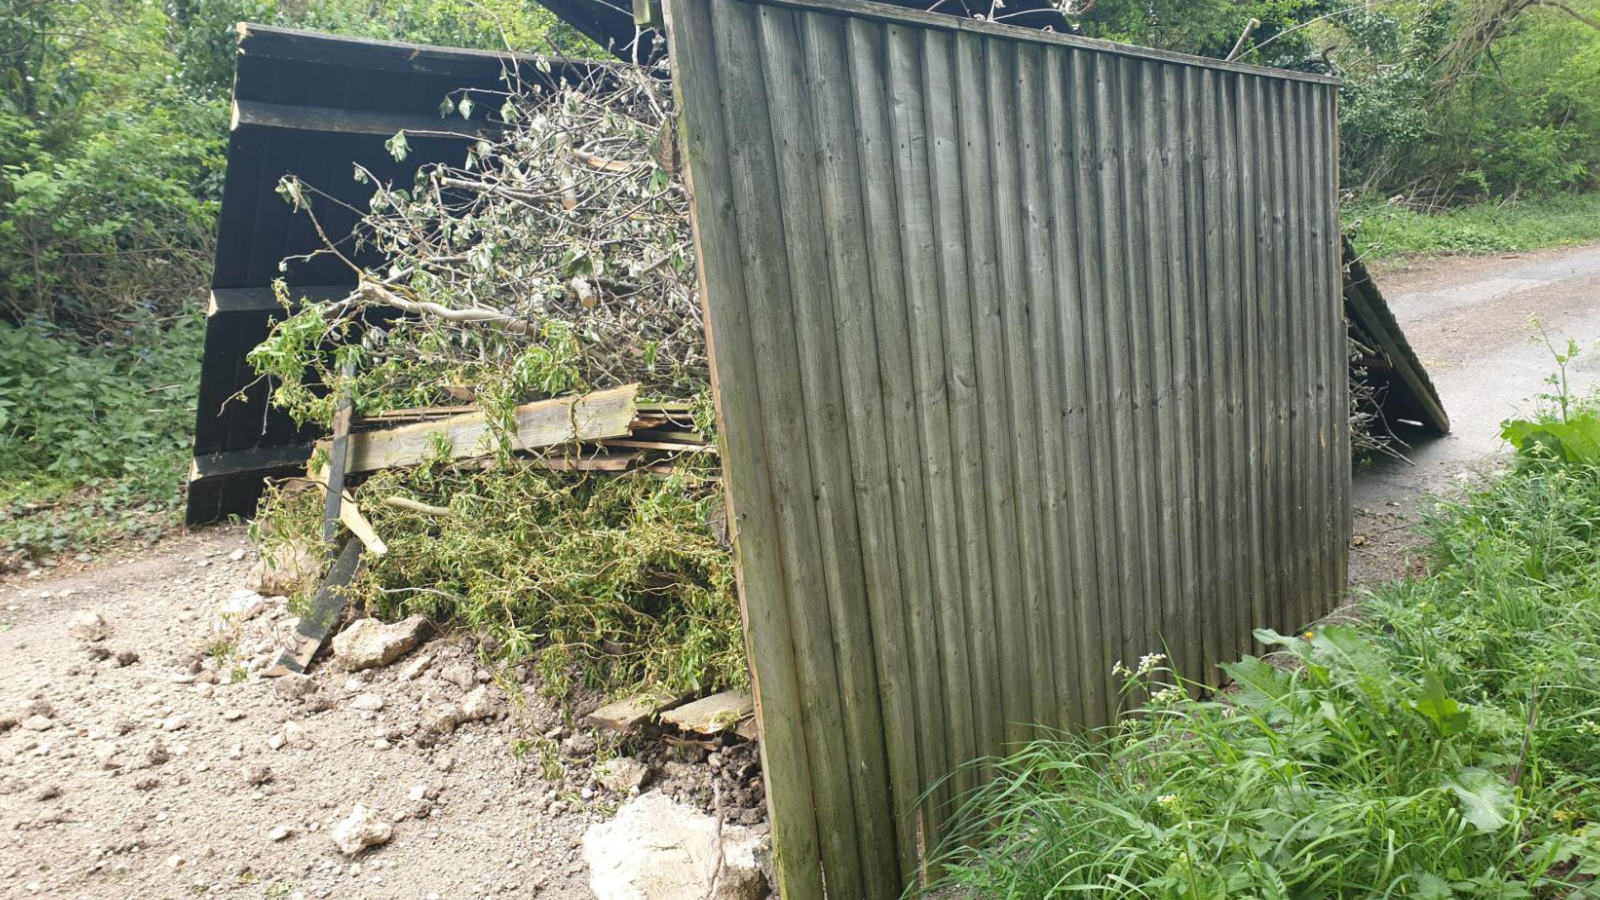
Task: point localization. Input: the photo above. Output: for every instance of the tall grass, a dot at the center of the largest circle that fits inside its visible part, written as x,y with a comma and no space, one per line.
1444,747
1387,231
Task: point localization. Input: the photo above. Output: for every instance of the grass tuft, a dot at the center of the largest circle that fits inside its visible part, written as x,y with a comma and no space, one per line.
1389,231
1445,747
607,581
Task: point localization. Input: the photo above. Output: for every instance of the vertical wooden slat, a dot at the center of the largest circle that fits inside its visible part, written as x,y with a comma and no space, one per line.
1252,301
1039,399
832,90
1186,641
1072,578
928,363
875,150
1029,661
1215,439
1338,347
1104,643
1154,104
940,89
1141,463
1125,508
973,128
847,628
763,238
751,507
1237,595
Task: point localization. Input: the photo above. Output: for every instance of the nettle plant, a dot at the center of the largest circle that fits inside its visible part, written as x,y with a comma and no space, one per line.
556,257
1336,770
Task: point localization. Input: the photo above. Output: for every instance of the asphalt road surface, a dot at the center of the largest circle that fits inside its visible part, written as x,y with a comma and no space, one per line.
1470,321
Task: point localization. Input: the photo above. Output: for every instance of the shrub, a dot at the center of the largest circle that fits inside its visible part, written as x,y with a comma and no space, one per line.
93,440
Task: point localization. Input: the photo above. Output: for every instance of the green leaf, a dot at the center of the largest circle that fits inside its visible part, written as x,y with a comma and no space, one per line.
1486,799
1431,887
1577,440
1260,685
1440,709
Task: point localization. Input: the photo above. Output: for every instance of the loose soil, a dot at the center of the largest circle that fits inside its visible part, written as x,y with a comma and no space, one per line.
168,771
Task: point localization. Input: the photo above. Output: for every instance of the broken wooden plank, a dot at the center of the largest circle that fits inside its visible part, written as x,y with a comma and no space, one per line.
631,712
326,607
662,445
712,715
606,462
1411,393
547,423
337,458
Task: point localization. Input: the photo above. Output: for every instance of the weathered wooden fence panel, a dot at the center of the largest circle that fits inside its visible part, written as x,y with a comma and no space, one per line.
1029,356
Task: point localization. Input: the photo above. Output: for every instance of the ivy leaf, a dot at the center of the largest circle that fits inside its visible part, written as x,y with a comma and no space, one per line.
397,146
1486,799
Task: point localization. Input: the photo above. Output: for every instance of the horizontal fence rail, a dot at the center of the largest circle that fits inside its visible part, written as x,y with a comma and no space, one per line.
1030,360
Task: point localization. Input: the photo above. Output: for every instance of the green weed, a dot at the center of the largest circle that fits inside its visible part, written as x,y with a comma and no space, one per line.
1388,231
93,439
609,581
1445,747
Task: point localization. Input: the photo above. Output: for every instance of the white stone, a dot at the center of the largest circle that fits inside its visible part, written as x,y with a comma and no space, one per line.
280,832
360,830
88,625
621,775
242,605
658,849
286,568
368,642
367,702
38,723
416,667
479,704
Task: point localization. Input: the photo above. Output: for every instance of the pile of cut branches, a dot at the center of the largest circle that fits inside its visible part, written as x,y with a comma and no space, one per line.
555,260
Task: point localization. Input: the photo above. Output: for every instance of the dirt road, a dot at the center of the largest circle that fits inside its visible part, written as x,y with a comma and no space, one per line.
1469,321
147,759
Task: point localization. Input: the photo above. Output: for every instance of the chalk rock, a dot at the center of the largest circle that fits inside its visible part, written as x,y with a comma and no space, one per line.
286,568
240,606
294,686
360,830
38,723
658,849
368,642
367,702
621,775
88,625
416,667
459,675
480,703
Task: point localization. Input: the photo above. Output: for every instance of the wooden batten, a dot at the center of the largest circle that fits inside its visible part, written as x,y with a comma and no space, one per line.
547,423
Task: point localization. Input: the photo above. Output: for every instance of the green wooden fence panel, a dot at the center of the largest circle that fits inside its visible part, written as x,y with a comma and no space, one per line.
1029,358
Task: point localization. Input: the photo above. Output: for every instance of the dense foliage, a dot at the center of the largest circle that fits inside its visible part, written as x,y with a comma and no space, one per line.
607,581
113,115
92,439
1444,101
1441,748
